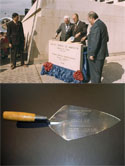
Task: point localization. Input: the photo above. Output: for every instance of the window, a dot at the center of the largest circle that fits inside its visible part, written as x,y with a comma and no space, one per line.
121,0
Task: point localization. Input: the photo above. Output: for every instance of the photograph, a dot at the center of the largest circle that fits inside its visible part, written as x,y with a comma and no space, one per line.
62,41
62,82
78,126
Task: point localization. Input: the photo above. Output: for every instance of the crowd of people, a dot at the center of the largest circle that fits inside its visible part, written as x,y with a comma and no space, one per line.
4,45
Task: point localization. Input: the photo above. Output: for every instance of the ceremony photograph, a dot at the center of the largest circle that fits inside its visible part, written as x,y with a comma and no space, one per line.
62,41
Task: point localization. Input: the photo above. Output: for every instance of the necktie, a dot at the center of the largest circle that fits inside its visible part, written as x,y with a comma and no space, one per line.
67,28
75,27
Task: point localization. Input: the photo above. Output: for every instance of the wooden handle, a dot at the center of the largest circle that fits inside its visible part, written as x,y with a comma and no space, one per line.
19,116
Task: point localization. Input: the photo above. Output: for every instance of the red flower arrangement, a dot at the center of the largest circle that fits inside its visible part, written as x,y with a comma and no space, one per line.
78,75
48,66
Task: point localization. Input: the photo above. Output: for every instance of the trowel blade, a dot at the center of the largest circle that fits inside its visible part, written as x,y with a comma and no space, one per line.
73,122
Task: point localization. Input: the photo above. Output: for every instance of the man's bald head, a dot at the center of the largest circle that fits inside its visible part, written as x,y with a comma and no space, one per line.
66,19
93,15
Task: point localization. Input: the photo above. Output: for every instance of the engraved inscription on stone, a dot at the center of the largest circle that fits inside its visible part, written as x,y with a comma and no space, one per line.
67,55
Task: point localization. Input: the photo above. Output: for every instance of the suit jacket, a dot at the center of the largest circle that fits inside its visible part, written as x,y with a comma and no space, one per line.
81,27
15,33
65,35
97,41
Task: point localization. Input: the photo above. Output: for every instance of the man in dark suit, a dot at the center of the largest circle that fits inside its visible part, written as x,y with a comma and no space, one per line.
97,47
65,29
15,36
80,29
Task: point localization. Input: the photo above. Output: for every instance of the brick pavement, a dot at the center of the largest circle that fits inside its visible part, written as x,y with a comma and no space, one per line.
114,72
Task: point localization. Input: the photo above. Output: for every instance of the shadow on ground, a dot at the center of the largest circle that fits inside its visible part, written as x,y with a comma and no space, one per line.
2,70
5,61
113,71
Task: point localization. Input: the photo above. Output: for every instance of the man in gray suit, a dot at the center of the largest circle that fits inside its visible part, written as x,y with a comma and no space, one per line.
97,47
65,29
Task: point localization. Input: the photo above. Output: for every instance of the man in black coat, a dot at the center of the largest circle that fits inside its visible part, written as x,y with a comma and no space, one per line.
65,29
80,28
16,39
97,47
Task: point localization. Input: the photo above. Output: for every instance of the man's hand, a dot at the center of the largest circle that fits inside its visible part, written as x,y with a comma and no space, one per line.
77,35
56,36
91,58
10,45
83,39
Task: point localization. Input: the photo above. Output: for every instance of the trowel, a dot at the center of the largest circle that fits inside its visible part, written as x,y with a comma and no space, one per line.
70,122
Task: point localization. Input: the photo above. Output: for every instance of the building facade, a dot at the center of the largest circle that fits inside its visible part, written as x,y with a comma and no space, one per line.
44,18
115,2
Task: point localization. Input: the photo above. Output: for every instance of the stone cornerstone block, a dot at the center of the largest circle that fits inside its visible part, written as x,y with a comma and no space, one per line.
67,55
